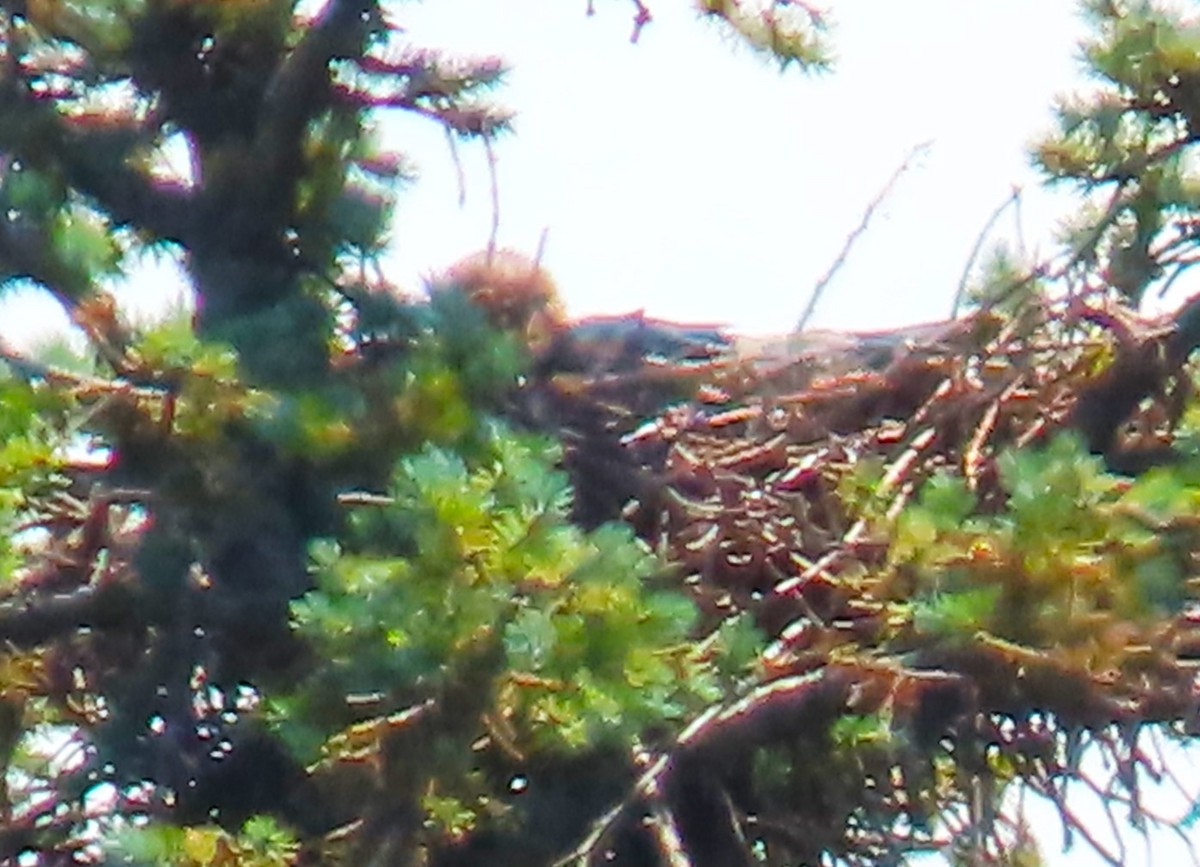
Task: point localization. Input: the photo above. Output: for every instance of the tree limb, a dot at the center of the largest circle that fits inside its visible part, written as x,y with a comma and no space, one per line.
33,620
33,132
300,86
777,709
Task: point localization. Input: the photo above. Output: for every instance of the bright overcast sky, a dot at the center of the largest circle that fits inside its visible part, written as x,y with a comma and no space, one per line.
687,176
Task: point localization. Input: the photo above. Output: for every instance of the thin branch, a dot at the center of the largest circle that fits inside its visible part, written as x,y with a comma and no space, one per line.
495,189
1072,824
1180,267
455,158
363,498
666,833
852,238
1014,199
1019,225
641,18
1044,269
772,710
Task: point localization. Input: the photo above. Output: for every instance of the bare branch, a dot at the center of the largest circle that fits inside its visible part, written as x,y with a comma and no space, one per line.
459,175
1014,199
801,703
641,17
819,289
495,187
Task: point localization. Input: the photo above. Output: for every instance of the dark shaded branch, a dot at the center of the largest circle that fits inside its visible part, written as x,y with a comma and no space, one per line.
1141,368
126,195
721,738
300,87
25,252
33,620
93,162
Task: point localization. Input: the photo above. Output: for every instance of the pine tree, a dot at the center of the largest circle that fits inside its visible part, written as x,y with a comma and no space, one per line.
325,573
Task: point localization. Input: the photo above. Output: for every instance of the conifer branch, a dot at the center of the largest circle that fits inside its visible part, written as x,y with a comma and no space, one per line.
301,86
801,703
26,252
31,620
90,161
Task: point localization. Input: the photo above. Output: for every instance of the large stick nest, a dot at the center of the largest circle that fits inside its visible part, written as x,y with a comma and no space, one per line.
775,476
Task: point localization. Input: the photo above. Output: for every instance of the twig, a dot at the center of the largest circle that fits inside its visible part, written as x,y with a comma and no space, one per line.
1116,204
495,185
1019,225
362,498
459,174
666,834
1014,199
819,288
1106,796
1044,271
972,458
641,18
1072,823
1180,267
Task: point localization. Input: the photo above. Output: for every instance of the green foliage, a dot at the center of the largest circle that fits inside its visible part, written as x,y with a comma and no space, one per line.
852,732
474,557
1070,557
1134,136
261,842
33,440
172,347
1004,284
85,243
788,33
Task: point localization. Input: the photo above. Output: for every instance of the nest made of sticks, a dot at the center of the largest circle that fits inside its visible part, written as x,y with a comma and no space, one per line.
775,479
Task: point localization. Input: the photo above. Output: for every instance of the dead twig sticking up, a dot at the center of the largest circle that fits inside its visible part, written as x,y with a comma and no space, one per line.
1013,200
495,185
819,288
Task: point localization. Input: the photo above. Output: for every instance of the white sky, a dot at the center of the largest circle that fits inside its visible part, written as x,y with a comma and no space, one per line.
686,176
